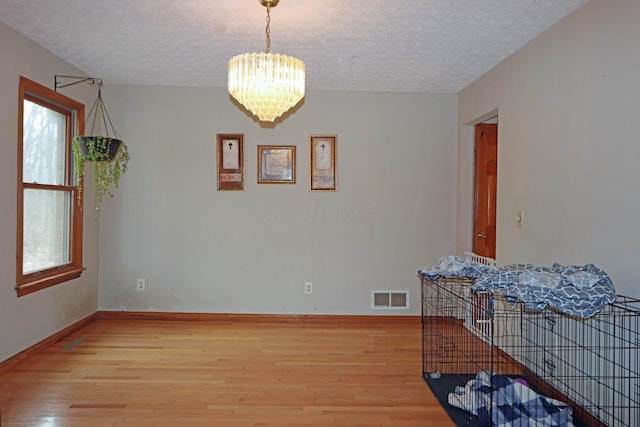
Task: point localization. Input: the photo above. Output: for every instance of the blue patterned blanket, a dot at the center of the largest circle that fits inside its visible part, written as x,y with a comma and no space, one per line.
452,265
503,401
580,291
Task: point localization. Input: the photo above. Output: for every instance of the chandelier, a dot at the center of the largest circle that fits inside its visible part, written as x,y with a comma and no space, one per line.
266,84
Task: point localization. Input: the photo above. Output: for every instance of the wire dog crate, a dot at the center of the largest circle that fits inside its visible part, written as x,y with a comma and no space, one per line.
591,364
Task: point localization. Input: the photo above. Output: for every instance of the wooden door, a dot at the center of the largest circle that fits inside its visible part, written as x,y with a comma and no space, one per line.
485,186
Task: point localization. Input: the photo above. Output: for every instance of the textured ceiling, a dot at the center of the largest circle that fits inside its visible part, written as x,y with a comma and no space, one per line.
365,45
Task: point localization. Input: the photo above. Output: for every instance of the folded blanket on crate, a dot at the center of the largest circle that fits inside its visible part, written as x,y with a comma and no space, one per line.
457,266
580,291
502,401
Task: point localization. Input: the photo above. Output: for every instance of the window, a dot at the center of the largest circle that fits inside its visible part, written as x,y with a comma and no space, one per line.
49,216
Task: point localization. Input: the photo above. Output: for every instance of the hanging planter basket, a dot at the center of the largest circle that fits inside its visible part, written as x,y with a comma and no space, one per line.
107,155
101,148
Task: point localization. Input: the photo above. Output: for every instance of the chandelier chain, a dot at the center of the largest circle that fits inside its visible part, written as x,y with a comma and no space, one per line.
268,29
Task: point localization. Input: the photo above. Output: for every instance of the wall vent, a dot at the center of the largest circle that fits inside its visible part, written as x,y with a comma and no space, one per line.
389,300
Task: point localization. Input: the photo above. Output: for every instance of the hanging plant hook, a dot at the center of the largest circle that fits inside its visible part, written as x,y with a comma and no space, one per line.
78,79
97,107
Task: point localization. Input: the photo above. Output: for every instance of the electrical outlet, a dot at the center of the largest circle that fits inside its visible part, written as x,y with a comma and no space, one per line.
141,285
308,288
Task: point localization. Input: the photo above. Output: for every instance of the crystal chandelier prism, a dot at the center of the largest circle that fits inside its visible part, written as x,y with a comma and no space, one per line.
266,84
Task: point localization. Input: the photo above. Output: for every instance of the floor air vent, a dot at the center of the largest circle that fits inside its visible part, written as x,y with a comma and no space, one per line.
389,299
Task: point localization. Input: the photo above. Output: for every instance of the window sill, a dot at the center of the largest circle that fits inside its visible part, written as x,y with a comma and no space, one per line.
45,282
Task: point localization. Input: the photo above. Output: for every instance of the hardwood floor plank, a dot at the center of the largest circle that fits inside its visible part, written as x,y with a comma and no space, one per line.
124,373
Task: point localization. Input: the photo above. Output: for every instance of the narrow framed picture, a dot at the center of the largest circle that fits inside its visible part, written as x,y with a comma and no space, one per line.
324,173
230,154
276,164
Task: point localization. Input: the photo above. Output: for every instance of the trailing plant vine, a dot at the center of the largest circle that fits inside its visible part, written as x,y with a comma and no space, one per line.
107,170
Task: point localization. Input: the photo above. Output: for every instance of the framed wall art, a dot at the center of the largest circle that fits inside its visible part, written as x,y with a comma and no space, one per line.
276,164
230,154
323,163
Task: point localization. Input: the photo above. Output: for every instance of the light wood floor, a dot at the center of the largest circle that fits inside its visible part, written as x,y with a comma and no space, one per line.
233,373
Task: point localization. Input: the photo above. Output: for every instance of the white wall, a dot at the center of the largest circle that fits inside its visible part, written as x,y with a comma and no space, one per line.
568,105
202,250
27,320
